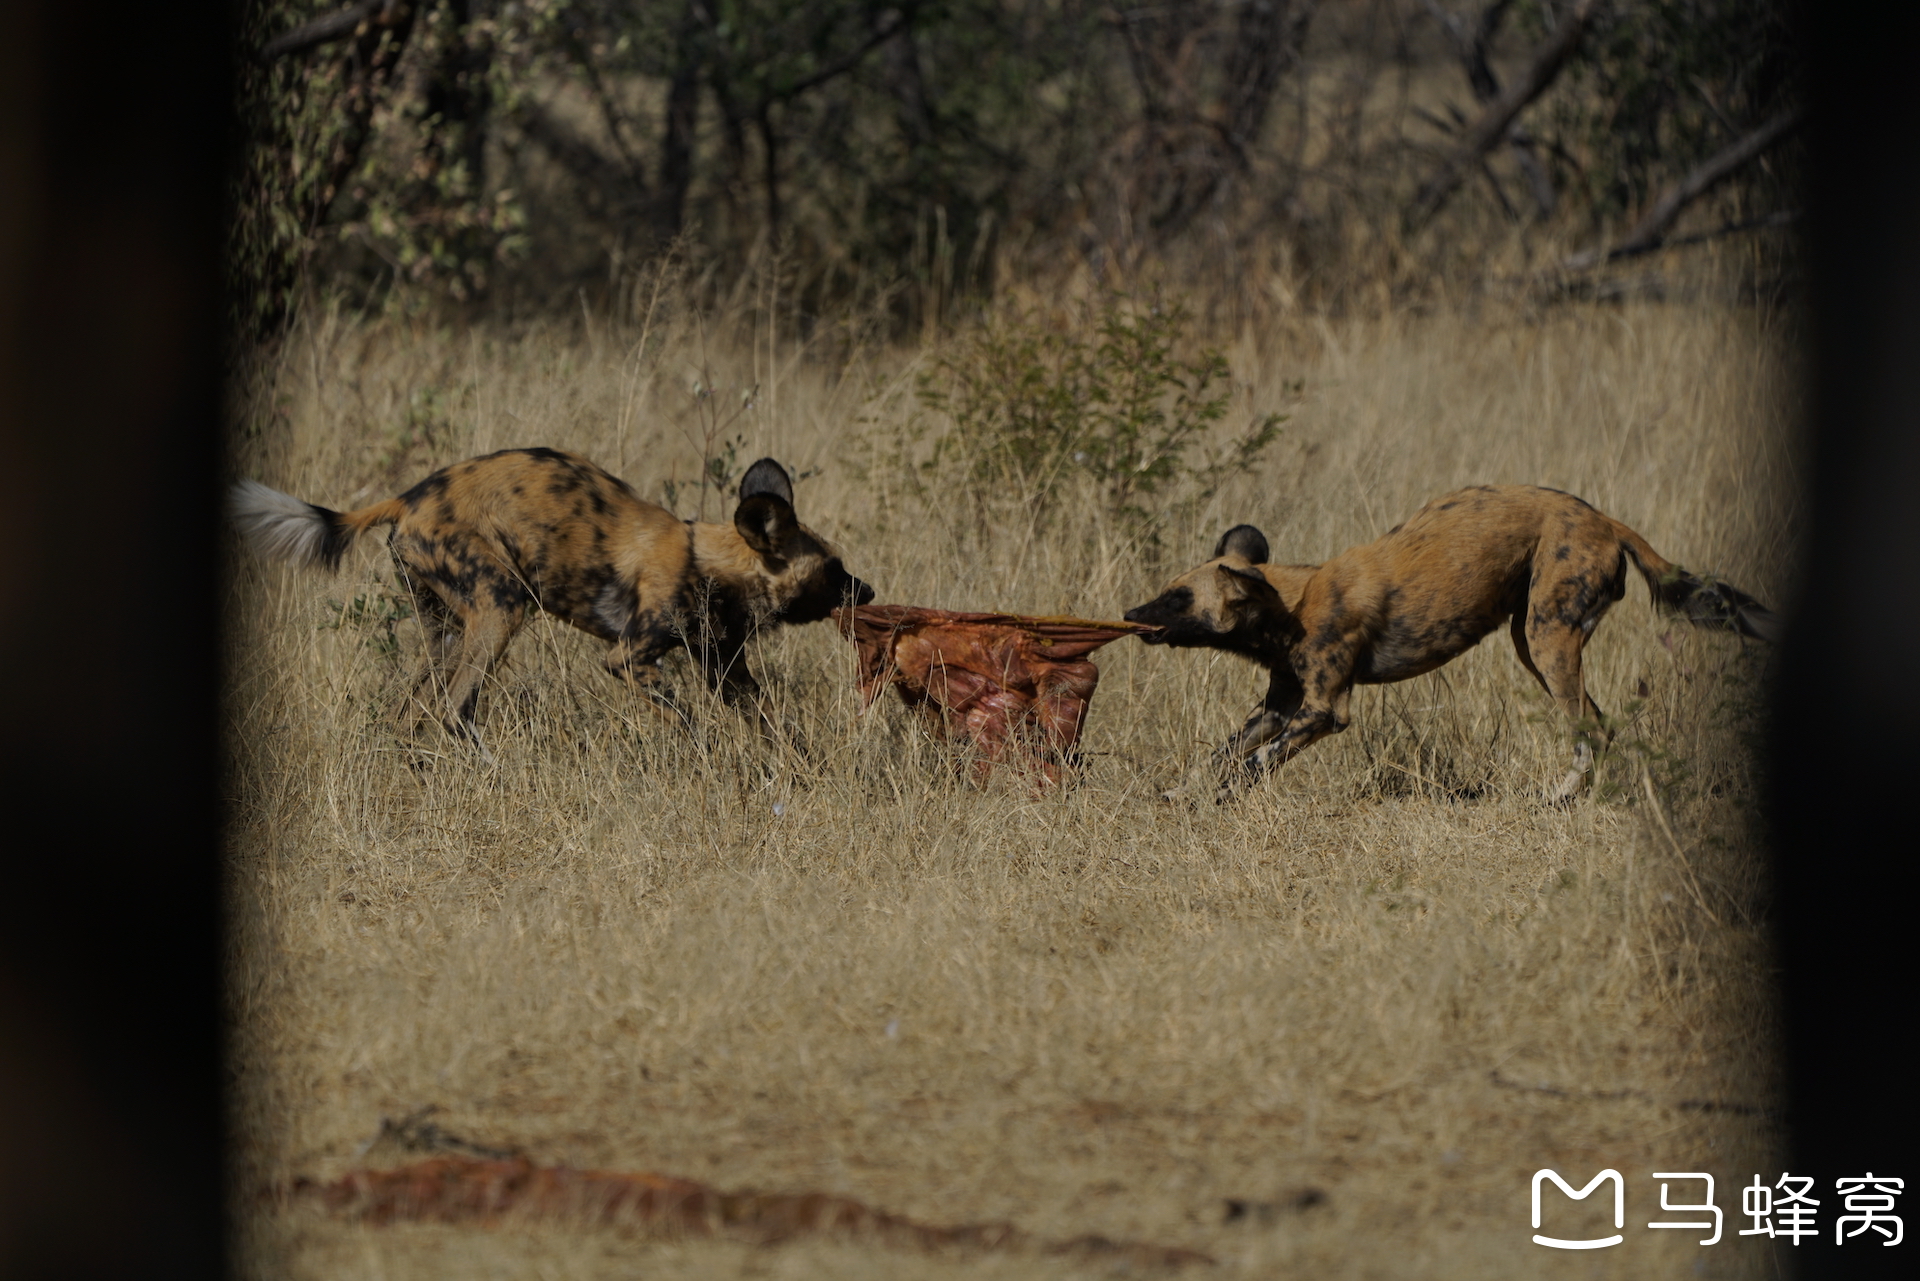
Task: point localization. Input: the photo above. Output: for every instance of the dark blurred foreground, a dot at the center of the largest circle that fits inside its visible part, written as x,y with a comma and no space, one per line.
1844,751
112,141
112,145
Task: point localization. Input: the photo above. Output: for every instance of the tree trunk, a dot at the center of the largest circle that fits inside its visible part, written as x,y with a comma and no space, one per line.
605,186
458,99
900,61
683,117
1265,47
770,156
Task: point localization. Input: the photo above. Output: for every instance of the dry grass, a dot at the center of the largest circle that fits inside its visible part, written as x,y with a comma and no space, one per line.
844,970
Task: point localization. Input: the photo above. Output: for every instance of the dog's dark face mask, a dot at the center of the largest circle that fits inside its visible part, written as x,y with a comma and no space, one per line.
1220,605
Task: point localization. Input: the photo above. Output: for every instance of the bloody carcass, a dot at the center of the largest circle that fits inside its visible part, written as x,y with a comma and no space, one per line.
1016,687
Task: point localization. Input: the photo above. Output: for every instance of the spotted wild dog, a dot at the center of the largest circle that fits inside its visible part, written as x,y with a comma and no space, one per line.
1418,598
483,543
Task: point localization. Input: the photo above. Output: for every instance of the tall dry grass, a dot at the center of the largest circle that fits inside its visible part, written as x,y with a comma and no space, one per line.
1389,973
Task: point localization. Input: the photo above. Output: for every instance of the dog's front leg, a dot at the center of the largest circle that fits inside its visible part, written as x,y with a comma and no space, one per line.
1233,761
634,661
726,671
1302,730
1312,710
1233,758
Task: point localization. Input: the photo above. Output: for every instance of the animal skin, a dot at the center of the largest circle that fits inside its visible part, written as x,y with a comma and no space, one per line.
1008,683
1544,562
483,543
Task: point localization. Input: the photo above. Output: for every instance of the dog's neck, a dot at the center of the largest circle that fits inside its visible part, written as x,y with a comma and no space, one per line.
1272,634
1267,636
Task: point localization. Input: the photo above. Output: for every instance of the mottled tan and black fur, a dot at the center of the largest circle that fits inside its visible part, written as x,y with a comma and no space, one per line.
482,543
1418,598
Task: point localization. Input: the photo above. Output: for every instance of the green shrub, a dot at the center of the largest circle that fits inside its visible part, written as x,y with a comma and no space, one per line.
1032,406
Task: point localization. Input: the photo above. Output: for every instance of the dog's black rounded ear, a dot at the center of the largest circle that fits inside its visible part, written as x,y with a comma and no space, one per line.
766,522
767,477
1244,541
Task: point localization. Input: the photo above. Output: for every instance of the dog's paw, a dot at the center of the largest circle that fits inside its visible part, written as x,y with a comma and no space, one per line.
1187,793
1569,789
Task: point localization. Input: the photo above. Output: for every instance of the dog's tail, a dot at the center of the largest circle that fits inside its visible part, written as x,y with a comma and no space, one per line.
1704,602
286,528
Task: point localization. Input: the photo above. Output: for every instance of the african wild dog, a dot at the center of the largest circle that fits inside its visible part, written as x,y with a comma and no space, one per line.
1417,598
481,543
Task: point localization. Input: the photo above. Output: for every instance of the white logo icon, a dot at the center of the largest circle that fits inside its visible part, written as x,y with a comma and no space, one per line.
1619,1207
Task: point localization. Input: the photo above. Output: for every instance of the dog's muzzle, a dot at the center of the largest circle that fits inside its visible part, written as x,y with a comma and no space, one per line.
1138,614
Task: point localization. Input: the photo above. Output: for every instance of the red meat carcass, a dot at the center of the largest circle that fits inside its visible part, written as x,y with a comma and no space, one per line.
1005,682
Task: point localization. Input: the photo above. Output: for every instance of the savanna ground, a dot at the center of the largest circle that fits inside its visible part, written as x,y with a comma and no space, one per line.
1389,974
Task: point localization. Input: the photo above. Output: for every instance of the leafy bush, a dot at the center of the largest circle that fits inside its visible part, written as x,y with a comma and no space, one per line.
1033,406
377,612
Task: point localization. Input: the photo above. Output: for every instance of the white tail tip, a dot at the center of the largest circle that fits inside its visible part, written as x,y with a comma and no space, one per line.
280,526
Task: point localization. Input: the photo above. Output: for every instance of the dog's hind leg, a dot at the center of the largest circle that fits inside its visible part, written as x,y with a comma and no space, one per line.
1551,651
441,641
489,630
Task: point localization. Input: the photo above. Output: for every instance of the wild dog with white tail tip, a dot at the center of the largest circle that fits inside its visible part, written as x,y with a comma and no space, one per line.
1418,598
482,543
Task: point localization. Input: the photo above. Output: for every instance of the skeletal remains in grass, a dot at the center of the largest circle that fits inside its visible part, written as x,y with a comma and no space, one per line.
1016,687
464,1189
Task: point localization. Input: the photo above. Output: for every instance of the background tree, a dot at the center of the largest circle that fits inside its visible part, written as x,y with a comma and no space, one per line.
918,149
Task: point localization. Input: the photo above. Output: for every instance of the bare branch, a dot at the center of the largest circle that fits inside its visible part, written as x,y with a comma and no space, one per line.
880,35
1653,226
335,26
1779,218
1471,48
599,175
1492,124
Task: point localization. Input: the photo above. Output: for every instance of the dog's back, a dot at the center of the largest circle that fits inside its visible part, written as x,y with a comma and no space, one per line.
1430,588
542,526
